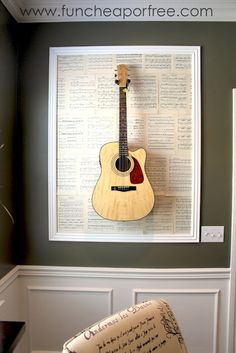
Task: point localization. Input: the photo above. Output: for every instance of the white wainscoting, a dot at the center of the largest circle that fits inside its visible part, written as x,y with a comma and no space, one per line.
57,302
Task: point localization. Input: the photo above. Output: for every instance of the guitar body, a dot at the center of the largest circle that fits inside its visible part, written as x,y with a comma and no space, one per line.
118,195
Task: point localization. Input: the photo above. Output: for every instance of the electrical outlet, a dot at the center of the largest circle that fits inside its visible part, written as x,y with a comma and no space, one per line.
212,234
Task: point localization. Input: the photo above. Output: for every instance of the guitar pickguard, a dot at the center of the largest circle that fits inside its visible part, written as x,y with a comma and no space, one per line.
136,176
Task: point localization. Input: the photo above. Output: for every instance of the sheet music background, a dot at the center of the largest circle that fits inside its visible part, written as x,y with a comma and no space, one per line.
160,119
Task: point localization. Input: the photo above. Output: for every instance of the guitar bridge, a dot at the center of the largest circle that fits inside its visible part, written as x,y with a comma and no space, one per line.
123,188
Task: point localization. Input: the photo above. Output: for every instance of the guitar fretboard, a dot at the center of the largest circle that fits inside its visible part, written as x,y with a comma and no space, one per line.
123,143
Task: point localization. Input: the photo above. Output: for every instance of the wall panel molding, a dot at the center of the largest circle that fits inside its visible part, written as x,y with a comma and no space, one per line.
73,307
214,294
77,297
87,290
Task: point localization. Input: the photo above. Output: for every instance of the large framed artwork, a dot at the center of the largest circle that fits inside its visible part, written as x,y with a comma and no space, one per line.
163,117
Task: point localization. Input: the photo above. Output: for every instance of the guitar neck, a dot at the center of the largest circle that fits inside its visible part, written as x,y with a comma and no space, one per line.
123,142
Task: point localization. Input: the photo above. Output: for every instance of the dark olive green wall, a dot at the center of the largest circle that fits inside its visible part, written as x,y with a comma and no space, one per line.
218,45
8,71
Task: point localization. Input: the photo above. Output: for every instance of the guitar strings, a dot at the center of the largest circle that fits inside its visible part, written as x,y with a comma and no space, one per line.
122,116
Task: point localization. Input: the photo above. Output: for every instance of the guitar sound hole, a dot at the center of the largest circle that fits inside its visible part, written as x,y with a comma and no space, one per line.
123,164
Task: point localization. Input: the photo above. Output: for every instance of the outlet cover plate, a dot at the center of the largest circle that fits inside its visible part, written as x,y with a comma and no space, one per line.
212,234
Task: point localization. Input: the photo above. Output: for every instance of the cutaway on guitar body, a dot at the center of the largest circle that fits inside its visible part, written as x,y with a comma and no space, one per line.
116,195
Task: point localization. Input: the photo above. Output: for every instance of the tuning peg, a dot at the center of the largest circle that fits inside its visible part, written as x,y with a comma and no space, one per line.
117,82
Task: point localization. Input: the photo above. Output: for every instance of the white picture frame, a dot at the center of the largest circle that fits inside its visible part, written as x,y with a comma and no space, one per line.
126,232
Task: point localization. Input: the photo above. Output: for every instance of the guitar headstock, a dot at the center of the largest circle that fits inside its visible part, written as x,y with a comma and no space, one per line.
122,76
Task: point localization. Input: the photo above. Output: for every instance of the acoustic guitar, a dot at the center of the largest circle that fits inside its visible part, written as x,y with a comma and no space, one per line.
122,192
